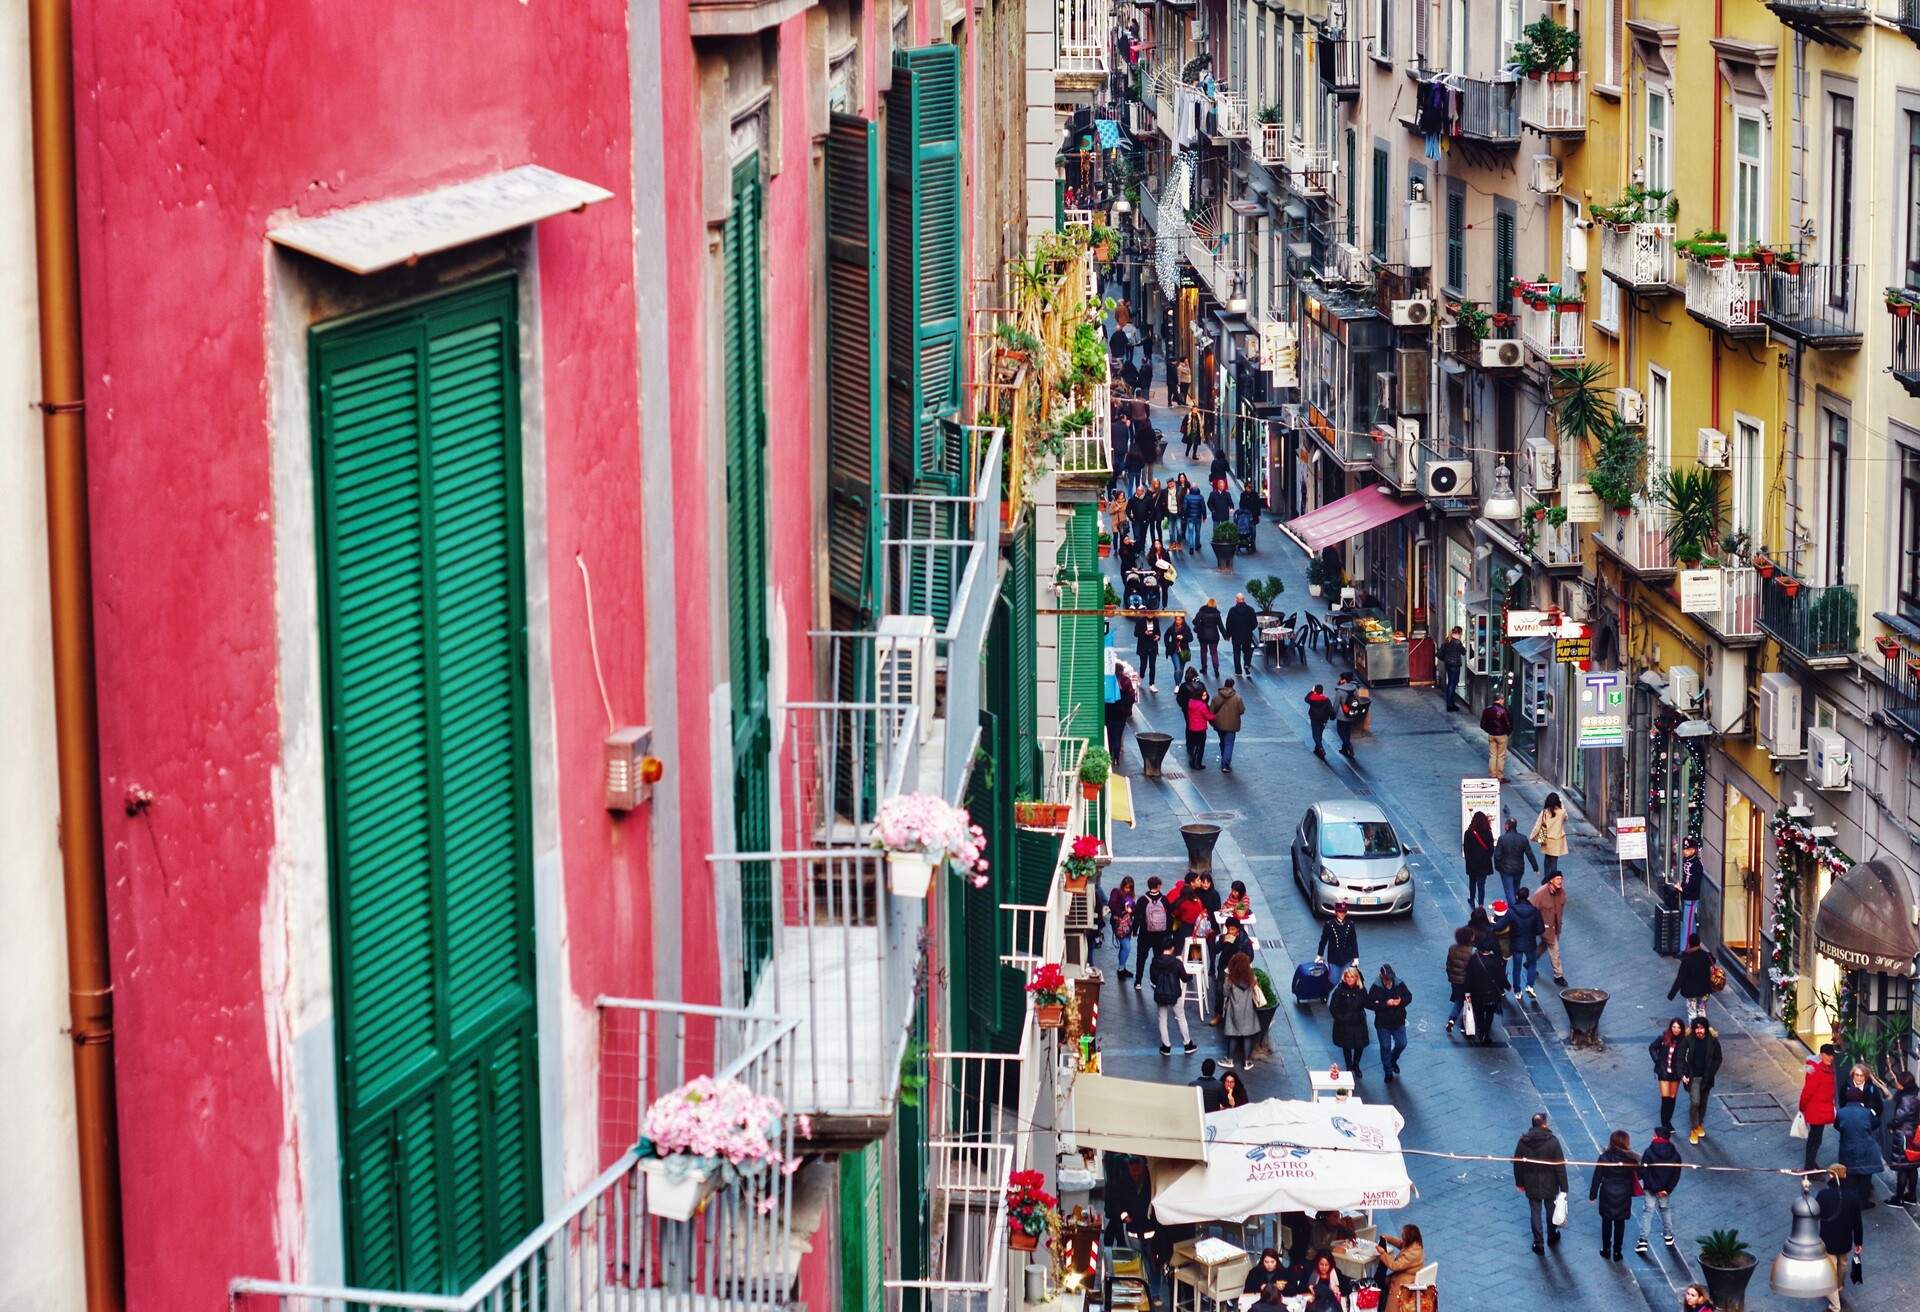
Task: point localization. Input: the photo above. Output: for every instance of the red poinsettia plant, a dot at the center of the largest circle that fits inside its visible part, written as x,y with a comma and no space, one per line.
1079,864
1031,1210
1048,985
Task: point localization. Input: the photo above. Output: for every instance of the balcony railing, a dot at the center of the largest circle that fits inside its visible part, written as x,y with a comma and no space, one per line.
1819,625
1907,19
1904,342
1816,304
1638,537
1489,111
1270,144
1556,331
1310,168
1340,66
1230,115
1824,20
1212,259
1725,294
1639,256
1557,546
1084,30
1738,619
1555,104
602,1249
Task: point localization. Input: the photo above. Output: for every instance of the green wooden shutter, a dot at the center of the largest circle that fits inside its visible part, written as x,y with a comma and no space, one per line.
1353,188
1083,637
423,629
744,363
1025,736
1502,259
925,291
855,453
973,935
1380,202
910,1174
862,1231
1456,239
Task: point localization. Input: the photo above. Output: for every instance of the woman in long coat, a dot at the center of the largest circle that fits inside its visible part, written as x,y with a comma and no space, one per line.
1348,1008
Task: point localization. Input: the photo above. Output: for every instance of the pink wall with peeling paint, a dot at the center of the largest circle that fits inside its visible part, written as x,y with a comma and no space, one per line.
200,124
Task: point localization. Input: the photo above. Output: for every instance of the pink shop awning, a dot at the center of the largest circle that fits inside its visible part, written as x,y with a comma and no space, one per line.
1348,517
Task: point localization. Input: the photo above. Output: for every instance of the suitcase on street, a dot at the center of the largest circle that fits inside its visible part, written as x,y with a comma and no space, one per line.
1666,931
1312,982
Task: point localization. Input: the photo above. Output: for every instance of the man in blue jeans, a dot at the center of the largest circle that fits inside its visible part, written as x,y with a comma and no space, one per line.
1524,925
1227,710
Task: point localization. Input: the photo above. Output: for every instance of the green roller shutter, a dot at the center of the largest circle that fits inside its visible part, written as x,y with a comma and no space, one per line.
1502,259
910,1172
862,1230
1082,637
1020,653
744,363
1379,214
1456,240
416,425
924,275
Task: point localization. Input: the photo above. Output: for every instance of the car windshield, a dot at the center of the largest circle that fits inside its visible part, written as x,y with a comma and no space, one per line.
1354,838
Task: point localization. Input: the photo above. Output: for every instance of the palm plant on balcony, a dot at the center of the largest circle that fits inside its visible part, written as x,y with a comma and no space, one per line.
918,831
1270,114
1048,985
1692,500
1617,476
1581,409
705,1134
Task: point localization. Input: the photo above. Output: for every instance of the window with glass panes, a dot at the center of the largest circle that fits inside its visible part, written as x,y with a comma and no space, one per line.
1913,200
1749,480
1840,200
1835,560
1909,543
1503,240
1749,197
1352,189
1380,202
1658,159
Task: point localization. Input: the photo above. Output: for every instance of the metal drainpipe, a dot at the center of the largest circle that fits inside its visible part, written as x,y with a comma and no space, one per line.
1790,429
70,588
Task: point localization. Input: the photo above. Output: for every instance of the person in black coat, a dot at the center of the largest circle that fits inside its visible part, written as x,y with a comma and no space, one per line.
1694,980
1840,1228
1902,1120
1665,1051
1243,625
1219,504
1219,471
1659,1175
1388,1000
1476,850
1339,940
1348,1008
1208,625
1612,1188
1699,1068
1524,928
1486,985
1146,644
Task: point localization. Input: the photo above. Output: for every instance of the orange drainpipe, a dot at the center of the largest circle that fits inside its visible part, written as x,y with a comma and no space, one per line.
70,593
1713,338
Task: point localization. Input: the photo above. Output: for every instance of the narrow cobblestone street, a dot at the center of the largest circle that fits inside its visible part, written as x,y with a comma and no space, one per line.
1456,1098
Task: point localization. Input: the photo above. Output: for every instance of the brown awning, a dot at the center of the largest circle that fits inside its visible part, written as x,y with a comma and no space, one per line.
1867,920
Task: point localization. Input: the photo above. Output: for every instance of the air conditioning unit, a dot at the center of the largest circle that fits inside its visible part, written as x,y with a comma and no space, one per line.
1416,313
1501,353
1829,766
1714,449
1543,473
1545,178
903,657
1447,478
1407,431
1727,690
1780,716
1350,264
1573,601
1385,386
1412,363
1629,406
1683,687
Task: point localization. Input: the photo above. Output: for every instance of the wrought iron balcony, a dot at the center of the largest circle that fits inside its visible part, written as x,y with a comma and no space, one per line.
1340,66
1212,260
1904,344
1817,305
1556,331
1737,622
1639,256
1824,20
1230,115
1085,35
1900,696
1310,168
1818,626
1637,538
602,1248
1489,111
1724,293
1555,104
1270,144
1907,19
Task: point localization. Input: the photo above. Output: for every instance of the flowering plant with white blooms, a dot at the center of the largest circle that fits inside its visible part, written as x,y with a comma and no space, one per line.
715,1128
920,822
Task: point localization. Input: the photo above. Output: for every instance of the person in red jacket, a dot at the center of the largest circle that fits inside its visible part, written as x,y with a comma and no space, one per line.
1816,1101
1199,716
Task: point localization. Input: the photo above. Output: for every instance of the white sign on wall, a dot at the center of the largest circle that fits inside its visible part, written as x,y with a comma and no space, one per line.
1630,838
1700,591
1583,507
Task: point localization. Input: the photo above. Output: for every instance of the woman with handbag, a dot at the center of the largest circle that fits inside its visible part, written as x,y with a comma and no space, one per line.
1665,1051
1457,958
1486,985
1239,1012
1616,1179
1549,833
1120,921
1476,849
1403,1266
1699,1067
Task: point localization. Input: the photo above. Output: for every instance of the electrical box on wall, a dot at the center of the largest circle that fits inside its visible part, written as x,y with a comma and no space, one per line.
631,770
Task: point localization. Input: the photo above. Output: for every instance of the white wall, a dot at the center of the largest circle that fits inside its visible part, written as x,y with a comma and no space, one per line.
40,1210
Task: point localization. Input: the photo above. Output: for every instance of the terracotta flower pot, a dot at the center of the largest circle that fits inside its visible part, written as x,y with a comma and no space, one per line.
1050,1015
1022,1242
1901,309
1791,586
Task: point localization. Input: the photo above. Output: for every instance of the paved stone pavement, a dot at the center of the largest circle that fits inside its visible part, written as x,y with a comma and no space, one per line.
1456,1098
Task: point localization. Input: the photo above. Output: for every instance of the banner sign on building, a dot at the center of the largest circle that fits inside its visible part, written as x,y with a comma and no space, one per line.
1603,709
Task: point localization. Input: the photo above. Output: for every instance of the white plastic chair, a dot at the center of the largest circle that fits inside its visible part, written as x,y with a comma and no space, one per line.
1427,1277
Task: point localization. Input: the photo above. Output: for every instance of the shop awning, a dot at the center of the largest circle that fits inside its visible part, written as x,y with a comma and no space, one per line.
1348,517
1138,1116
1867,920
1280,1156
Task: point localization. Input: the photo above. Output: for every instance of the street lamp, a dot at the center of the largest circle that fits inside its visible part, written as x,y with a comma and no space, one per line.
1803,1269
1501,503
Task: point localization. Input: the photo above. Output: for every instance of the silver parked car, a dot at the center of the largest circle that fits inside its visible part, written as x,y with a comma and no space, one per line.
1348,852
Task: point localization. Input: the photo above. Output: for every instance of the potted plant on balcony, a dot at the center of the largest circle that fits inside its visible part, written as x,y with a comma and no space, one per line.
1834,620
1728,1265
1763,564
1473,321
1095,766
1788,584
1545,47
1616,477
705,1134
1030,813
1033,1214
1049,988
918,831
1226,539
1898,305
1692,499
1104,544
1077,871
1889,647
1269,114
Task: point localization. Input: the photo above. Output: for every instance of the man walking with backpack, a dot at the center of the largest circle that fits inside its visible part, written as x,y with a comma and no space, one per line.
1170,996
1153,922
1351,711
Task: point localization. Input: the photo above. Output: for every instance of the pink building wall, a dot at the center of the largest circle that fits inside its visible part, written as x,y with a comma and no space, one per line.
200,125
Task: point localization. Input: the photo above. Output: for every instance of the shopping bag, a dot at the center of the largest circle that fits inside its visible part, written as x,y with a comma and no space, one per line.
1798,1129
1560,1208
1467,1024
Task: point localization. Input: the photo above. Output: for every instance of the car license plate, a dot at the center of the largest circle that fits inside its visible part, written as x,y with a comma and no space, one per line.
1366,901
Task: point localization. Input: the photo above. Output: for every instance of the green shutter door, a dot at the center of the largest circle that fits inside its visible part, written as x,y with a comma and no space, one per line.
744,365
1083,637
423,629
862,1230
854,451
910,1172
1379,214
1020,653
924,274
